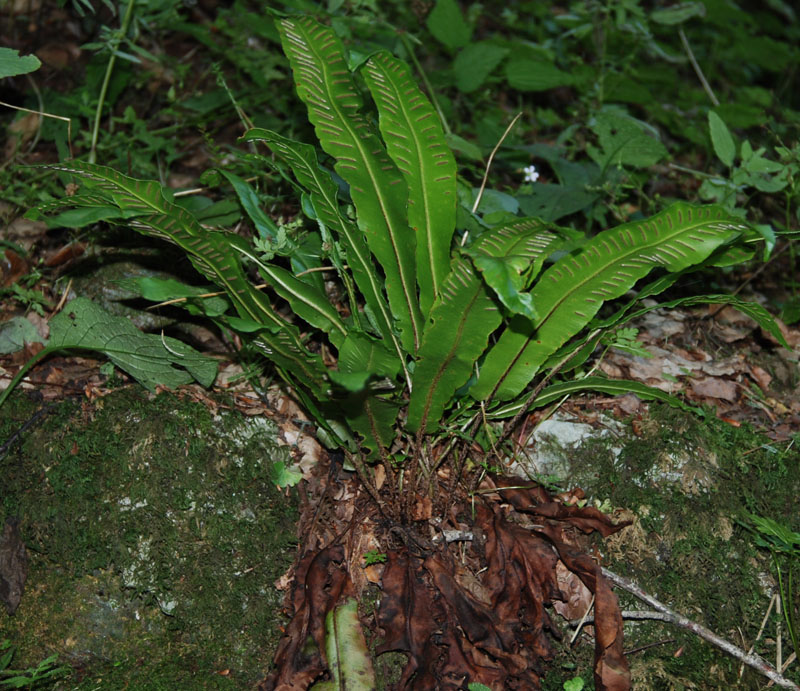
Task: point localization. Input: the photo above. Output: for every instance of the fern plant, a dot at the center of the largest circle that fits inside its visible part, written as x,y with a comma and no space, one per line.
439,330
432,330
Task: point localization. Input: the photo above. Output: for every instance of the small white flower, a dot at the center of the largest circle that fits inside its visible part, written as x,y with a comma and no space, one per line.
531,174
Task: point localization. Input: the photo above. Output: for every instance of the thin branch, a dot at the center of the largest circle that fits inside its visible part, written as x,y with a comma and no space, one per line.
489,162
697,70
755,661
114,45
46,115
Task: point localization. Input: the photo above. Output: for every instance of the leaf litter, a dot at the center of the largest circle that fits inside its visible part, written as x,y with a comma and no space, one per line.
480,610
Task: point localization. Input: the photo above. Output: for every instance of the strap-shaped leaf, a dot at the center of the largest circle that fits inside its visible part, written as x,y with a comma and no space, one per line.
571,292
213,254
415,141
306,301
302,159
370,414
457,334
510,257
615,387
377,188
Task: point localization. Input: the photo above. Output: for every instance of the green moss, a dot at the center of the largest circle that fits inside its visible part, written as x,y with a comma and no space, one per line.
155,539
689,484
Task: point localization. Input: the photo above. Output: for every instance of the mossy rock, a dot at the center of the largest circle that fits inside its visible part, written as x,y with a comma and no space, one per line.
689,485
155,538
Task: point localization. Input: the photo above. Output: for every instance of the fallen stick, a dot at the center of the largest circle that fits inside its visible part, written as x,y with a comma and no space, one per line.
752,660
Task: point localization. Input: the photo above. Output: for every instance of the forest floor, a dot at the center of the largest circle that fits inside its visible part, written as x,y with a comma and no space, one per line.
158,547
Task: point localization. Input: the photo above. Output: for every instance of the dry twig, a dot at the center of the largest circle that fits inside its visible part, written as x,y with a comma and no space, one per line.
755,661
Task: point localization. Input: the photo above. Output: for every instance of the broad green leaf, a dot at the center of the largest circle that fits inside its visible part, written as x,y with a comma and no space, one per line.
525,74
677,14
457,333
151,359
283,476
347,652
721,138
475,63
553,201
377,188
615,387
373,417
571,292
13,64
222,214
509,257
84,216
215,254
359,353
447,24
369,414
415,141
464,147
265,226
623,142
303,161
197,300
15,333
165,289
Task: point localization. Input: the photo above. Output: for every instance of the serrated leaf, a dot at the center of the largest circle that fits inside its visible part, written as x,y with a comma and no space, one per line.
475,63
447,24
415,141
458,332
377,188
571,292
510,256
724,146
152,360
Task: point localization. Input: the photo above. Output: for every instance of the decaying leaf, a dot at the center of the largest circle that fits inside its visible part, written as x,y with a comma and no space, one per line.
320,581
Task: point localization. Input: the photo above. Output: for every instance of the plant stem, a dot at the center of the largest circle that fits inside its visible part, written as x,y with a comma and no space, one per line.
697,70
755,661
126,20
